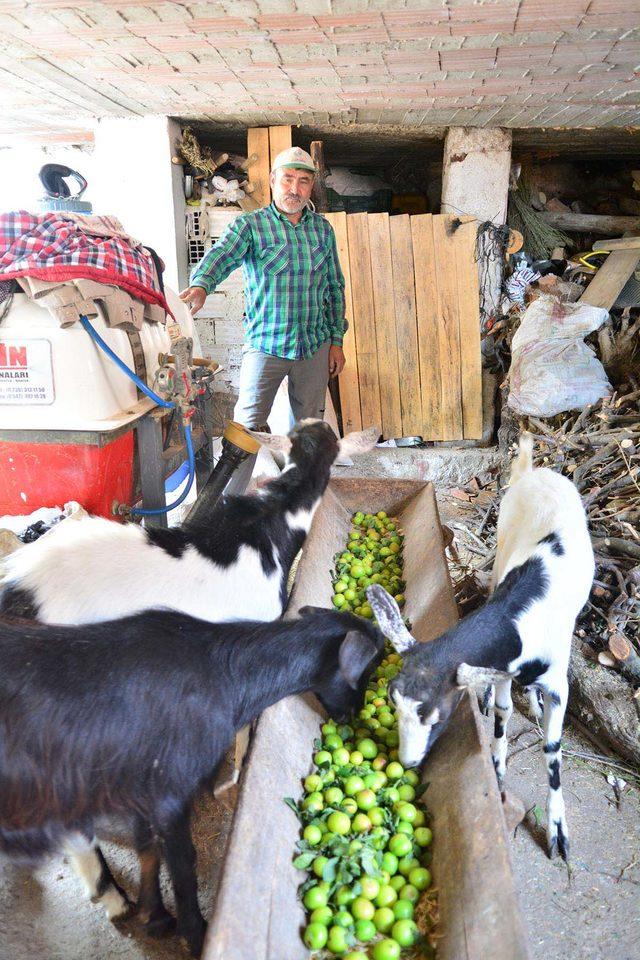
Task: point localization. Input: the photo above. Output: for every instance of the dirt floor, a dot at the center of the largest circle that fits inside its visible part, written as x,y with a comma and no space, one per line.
592,915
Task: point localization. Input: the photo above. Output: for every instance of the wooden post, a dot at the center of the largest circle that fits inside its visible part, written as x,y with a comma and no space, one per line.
258,143
319,194
279,140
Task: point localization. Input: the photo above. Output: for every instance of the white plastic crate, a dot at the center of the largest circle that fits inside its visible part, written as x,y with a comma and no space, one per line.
196,250
197,224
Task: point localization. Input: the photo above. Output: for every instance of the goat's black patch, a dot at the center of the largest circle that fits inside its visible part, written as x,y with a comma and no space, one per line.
554,542
552,747
498,727
488,637
259,521
105,880
530,671
18,604
555,698
297,538
172,541
554,775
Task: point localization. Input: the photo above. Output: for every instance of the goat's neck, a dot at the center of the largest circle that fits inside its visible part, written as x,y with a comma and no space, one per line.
299,486
475,638
264,671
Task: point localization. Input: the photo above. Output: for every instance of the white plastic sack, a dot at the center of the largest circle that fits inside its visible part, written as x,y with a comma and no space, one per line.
349,184
552,368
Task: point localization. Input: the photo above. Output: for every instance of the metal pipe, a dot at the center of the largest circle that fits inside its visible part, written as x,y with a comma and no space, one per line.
237,445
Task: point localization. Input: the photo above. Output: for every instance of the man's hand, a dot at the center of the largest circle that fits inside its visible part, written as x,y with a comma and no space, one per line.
336,360
195,297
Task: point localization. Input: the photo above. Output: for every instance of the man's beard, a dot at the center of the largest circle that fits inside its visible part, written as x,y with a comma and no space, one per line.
296,203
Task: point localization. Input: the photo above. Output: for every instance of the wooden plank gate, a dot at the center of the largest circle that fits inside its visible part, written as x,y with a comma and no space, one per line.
413,343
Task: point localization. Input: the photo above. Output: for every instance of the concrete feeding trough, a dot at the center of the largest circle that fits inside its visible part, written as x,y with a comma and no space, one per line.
257,915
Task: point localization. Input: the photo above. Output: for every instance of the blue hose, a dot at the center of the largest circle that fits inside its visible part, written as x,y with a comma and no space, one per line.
140,512
168,404
93,333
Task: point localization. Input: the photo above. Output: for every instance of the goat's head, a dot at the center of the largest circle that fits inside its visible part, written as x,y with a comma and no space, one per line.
424,695
312,443
350,661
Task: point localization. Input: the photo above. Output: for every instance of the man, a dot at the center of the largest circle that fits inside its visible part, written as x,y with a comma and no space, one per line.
294,296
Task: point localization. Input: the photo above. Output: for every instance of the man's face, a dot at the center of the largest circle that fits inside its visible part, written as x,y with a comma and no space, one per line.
291,188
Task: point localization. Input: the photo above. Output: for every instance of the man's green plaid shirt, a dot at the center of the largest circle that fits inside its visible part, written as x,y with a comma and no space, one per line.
294,287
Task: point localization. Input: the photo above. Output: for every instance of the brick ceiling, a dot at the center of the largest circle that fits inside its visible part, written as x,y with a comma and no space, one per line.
418,63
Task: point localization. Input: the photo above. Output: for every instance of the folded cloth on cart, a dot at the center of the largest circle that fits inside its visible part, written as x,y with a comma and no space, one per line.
66,302
62,246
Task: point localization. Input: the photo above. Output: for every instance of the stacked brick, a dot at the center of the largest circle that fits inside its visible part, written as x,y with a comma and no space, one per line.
517,63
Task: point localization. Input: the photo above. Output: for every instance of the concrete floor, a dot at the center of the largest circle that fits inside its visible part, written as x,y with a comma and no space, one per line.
46,915
595,916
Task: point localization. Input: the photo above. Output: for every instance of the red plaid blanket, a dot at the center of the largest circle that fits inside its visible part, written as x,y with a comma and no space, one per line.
51,247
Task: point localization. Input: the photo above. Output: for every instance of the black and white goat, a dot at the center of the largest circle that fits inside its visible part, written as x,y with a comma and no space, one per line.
126,720
232,564
542,576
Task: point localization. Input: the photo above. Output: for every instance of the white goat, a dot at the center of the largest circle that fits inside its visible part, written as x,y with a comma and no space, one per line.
542,577
228,565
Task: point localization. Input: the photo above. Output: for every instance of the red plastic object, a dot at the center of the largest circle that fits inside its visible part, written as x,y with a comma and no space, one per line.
36,475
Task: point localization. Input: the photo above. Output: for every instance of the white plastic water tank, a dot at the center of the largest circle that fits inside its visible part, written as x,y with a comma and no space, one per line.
54,378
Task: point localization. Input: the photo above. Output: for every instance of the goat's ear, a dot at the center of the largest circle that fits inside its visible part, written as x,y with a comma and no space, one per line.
360,441
387,613
273,441
310,610
468,676
357,651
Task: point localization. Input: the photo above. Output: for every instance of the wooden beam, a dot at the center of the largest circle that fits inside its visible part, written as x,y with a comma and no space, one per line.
469,321
428,316
590,222
385,324
258,143
448,328
319,192
610,279
364,319
348,380
622,243
406,325
279,140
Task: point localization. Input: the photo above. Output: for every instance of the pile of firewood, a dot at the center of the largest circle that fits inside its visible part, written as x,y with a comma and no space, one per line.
220,178
599,449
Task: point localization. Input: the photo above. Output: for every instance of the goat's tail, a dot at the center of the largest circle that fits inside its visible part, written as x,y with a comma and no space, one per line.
524,461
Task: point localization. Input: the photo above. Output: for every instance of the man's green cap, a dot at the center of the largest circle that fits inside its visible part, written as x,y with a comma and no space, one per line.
294,157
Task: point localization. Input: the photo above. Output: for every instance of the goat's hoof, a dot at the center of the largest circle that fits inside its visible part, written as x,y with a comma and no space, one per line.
558,844
486,701
160,925
193,935
125,918
125,910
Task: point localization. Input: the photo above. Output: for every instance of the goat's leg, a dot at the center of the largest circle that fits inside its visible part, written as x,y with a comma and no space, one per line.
487,700
536,703
90,865
502,710
555,704
152,912
181,860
